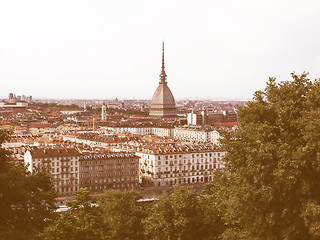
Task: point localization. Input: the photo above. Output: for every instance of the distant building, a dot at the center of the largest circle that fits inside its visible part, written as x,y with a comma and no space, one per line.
14,102
163,103
196,134
197,118
215,117
29,99
103,112
231,116
10,96
157,131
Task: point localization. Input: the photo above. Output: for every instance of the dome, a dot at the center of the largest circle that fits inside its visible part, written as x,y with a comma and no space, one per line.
163,96
162,103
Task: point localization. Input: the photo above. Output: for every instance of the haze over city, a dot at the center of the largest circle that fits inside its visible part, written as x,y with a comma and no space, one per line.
104,50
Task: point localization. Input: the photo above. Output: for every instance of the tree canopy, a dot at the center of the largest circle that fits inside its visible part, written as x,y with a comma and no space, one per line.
82,220
27,200
274,163
184,214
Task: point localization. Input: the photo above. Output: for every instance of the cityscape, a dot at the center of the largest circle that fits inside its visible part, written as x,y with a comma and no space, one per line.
165,120
146,145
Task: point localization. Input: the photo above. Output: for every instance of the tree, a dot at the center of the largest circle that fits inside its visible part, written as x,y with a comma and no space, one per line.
178,216
123,213
212,202
82,220
27,201
274,164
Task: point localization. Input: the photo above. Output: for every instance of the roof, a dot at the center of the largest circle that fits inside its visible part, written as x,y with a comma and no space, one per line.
54,152
171,148
163,96
38,125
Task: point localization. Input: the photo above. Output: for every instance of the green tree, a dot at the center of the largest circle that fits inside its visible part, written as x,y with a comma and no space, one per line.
176,216
213,206
27,201
81,221
123,213
274,164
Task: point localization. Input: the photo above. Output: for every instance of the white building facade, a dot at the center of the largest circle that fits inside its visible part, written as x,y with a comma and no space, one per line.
176,165
64,165
190,134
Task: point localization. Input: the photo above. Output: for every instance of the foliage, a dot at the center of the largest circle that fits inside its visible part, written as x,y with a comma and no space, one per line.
182,215
64,106
273,159
82,220
27,201
115,215
123,213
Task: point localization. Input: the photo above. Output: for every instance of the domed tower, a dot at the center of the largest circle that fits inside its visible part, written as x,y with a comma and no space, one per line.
163,103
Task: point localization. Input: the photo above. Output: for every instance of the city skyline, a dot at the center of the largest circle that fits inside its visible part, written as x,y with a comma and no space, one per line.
214,50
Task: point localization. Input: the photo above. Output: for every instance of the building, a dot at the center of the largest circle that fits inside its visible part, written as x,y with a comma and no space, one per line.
99,171
16,104
64,164
72,169
197,118
231,116
96,140
196,134
163,103
214,117
171,164
103,112
157,131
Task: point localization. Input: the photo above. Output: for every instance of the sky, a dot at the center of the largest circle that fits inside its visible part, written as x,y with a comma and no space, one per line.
214,49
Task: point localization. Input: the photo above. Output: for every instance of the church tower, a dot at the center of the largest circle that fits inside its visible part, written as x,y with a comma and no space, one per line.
163,103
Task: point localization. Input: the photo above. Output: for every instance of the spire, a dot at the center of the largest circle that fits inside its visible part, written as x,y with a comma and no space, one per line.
163,75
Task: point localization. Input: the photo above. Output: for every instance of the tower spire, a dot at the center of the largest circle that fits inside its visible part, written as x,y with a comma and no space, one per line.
163,75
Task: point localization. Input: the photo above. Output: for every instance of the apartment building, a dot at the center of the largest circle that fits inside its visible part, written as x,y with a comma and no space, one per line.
105,170
176,164
63,164
72,169
157,131
196,134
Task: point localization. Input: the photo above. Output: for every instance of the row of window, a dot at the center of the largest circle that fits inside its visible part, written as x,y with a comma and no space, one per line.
115,173
40,161
113,161
65,169
193,155
184,168
107,180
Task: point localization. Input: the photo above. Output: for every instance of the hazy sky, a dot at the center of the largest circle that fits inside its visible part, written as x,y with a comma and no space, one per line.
217,49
